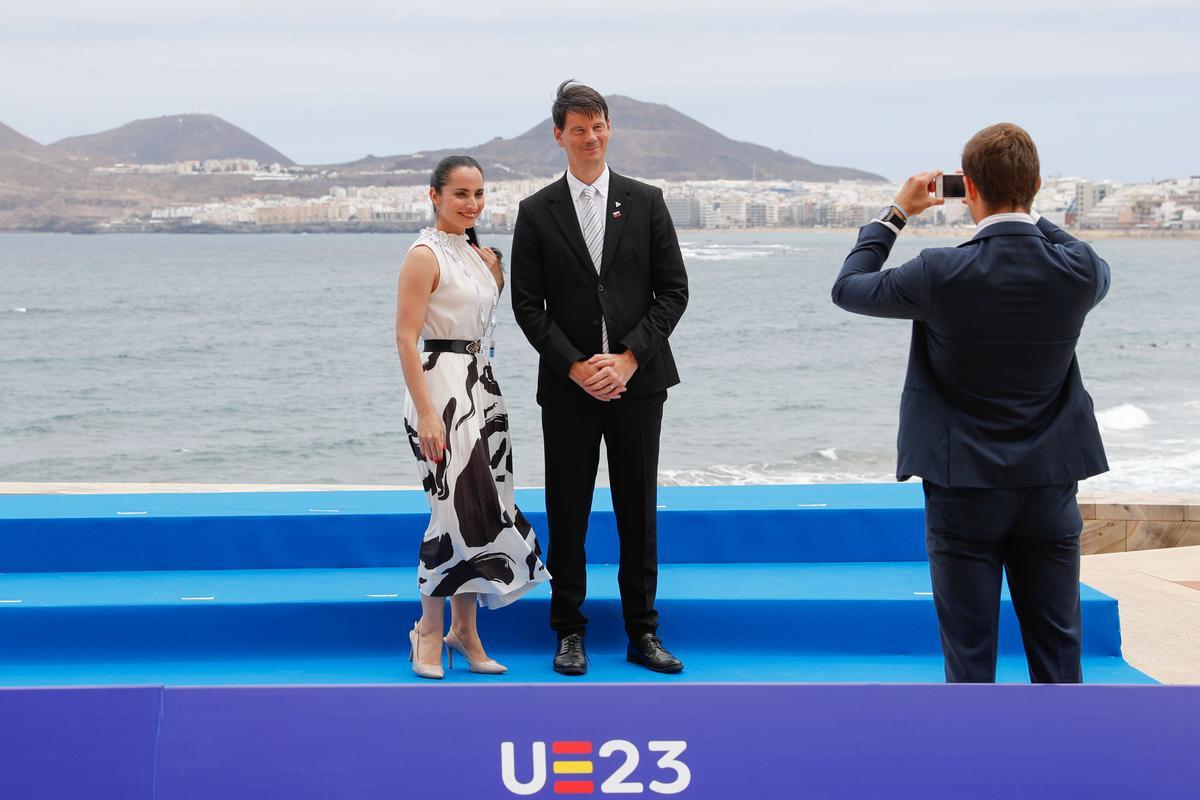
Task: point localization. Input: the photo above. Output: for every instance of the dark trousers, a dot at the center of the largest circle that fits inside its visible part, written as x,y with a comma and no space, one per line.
1033,534
572,432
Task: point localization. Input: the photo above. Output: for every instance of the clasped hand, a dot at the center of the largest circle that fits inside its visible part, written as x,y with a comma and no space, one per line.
605,376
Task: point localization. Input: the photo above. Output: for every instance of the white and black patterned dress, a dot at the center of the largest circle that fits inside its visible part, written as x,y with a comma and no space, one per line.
477,539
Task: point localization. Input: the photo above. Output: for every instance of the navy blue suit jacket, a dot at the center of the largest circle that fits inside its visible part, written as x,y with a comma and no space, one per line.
993,397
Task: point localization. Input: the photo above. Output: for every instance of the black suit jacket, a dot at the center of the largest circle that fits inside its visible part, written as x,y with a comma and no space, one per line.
993,396
558,298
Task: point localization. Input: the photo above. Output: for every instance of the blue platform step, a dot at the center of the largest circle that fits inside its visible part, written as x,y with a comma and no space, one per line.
705,666
777,619
271,530
757,584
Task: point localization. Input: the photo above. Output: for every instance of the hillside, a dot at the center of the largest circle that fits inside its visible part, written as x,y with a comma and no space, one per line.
25,164
165,140
11,141
649,140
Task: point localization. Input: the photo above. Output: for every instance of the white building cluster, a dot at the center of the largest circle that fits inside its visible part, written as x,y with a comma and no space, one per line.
211,166
404,205
1071,202
799,204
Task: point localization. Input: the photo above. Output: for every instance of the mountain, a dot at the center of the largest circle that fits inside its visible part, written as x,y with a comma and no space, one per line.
165,140
14,142
25,164
649,140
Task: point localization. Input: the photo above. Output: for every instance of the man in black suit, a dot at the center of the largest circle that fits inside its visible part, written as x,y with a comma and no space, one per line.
993,415
598,284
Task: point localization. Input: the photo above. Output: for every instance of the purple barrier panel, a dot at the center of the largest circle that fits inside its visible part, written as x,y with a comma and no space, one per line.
699,741
70,744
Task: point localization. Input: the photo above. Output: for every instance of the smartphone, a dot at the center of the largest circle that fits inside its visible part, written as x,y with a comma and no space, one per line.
951,186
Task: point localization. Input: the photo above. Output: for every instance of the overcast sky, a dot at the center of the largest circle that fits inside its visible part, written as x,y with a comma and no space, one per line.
1108,90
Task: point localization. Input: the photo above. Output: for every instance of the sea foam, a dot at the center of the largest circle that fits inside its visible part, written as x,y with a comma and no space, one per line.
704,251
784,472
1125,417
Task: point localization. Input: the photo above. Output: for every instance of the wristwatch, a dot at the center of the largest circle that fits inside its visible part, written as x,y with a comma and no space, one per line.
892,215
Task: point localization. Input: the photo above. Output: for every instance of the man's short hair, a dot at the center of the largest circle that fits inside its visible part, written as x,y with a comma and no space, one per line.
1002,161
574,96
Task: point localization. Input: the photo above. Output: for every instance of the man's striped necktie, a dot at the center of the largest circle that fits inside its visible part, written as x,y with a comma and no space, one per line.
593,236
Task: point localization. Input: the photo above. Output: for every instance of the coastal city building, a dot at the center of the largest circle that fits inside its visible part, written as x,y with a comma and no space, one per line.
1072,202
211,166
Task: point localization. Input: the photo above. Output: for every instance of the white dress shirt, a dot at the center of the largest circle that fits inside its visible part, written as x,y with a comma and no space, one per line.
1009,216
601,200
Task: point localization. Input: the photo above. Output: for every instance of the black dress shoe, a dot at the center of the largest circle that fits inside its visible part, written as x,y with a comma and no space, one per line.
648,651
571,658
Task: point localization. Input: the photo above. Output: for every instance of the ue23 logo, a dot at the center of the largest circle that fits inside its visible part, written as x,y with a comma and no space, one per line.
575,771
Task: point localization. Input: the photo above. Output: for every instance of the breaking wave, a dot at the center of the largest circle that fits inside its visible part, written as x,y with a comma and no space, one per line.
1125,417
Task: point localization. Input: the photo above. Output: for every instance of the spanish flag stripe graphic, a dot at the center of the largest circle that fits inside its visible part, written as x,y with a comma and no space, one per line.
574,787
573,768
572,748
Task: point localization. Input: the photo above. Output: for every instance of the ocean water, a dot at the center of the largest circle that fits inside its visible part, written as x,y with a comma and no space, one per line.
272,359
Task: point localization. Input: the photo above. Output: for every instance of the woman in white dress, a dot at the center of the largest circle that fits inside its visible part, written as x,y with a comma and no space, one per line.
478,548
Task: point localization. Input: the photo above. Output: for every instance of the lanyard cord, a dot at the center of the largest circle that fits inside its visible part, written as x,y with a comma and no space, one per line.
488,322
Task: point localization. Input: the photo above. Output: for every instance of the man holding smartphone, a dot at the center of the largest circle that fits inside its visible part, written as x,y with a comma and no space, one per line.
993,416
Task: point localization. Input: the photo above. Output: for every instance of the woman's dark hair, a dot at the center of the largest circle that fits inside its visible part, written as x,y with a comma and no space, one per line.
441,173
574,96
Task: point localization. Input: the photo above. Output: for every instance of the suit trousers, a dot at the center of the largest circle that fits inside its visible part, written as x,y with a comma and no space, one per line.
1032,534
572,432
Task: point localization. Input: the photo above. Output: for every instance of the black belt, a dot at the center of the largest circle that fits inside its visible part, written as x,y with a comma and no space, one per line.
453,346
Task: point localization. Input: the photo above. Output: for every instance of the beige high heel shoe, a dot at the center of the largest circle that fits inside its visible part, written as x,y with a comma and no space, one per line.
423,670
489,667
